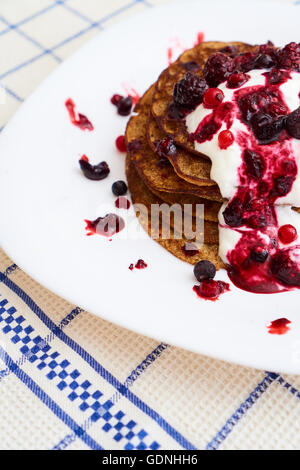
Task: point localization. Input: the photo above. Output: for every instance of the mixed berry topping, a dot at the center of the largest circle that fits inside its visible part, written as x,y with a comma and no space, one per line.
292,124
119,188
189,91
204,270
121,143
94,172
106,226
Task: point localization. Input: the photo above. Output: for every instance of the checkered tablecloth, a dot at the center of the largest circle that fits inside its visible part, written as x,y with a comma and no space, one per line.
69,380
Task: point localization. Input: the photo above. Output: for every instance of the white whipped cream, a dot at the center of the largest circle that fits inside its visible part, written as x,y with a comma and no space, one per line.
226,162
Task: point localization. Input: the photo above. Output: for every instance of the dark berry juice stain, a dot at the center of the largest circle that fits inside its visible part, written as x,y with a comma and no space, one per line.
122,203
211,290
279,327
79,120
106,226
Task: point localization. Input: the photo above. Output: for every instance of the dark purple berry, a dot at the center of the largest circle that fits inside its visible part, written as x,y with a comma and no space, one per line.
259,254
283,185
293,124
189,91
257,221
289,57
285,268
254,164
233,214
175,113
236,80
204,270
124,106
119,188
166,148
217,69
265,128
94,172
264,61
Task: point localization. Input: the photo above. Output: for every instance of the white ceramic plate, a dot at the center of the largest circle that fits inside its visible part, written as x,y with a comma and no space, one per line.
45,198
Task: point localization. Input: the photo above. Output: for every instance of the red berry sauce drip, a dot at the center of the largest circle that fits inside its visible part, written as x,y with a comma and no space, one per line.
79,120
200,38
279,327
106,226
141,264
122,203
211,290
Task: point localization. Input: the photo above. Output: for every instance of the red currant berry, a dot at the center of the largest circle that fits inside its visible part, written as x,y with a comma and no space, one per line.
213,97
287,234
115,99
121,144
226,138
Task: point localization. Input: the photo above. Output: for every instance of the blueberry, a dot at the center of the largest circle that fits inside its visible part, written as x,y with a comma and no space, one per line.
119,188
233,214
204,270
125,106
259,254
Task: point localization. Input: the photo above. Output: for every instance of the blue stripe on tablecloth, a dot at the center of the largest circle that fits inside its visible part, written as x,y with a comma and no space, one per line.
71,38
46,341
11,269
97,366
11,93
30,39
59,412
133,376
29,18
220,437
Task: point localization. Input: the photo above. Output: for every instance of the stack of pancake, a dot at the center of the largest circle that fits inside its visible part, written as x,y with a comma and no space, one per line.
185,178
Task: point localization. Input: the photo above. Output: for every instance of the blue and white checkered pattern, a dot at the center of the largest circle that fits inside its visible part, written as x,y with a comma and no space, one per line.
92,384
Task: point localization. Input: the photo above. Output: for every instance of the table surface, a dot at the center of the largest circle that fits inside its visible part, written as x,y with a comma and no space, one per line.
69,380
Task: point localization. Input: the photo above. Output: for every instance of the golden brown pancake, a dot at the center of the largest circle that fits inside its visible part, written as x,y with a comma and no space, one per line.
141,195
146,162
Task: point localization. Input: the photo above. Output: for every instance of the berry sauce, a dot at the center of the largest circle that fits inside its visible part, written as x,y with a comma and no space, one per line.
263,259
79,120
189,249
106,226
279,327
211,290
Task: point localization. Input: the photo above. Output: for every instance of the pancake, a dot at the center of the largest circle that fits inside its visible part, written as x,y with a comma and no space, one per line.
163,95
193,169
157,177
141,195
